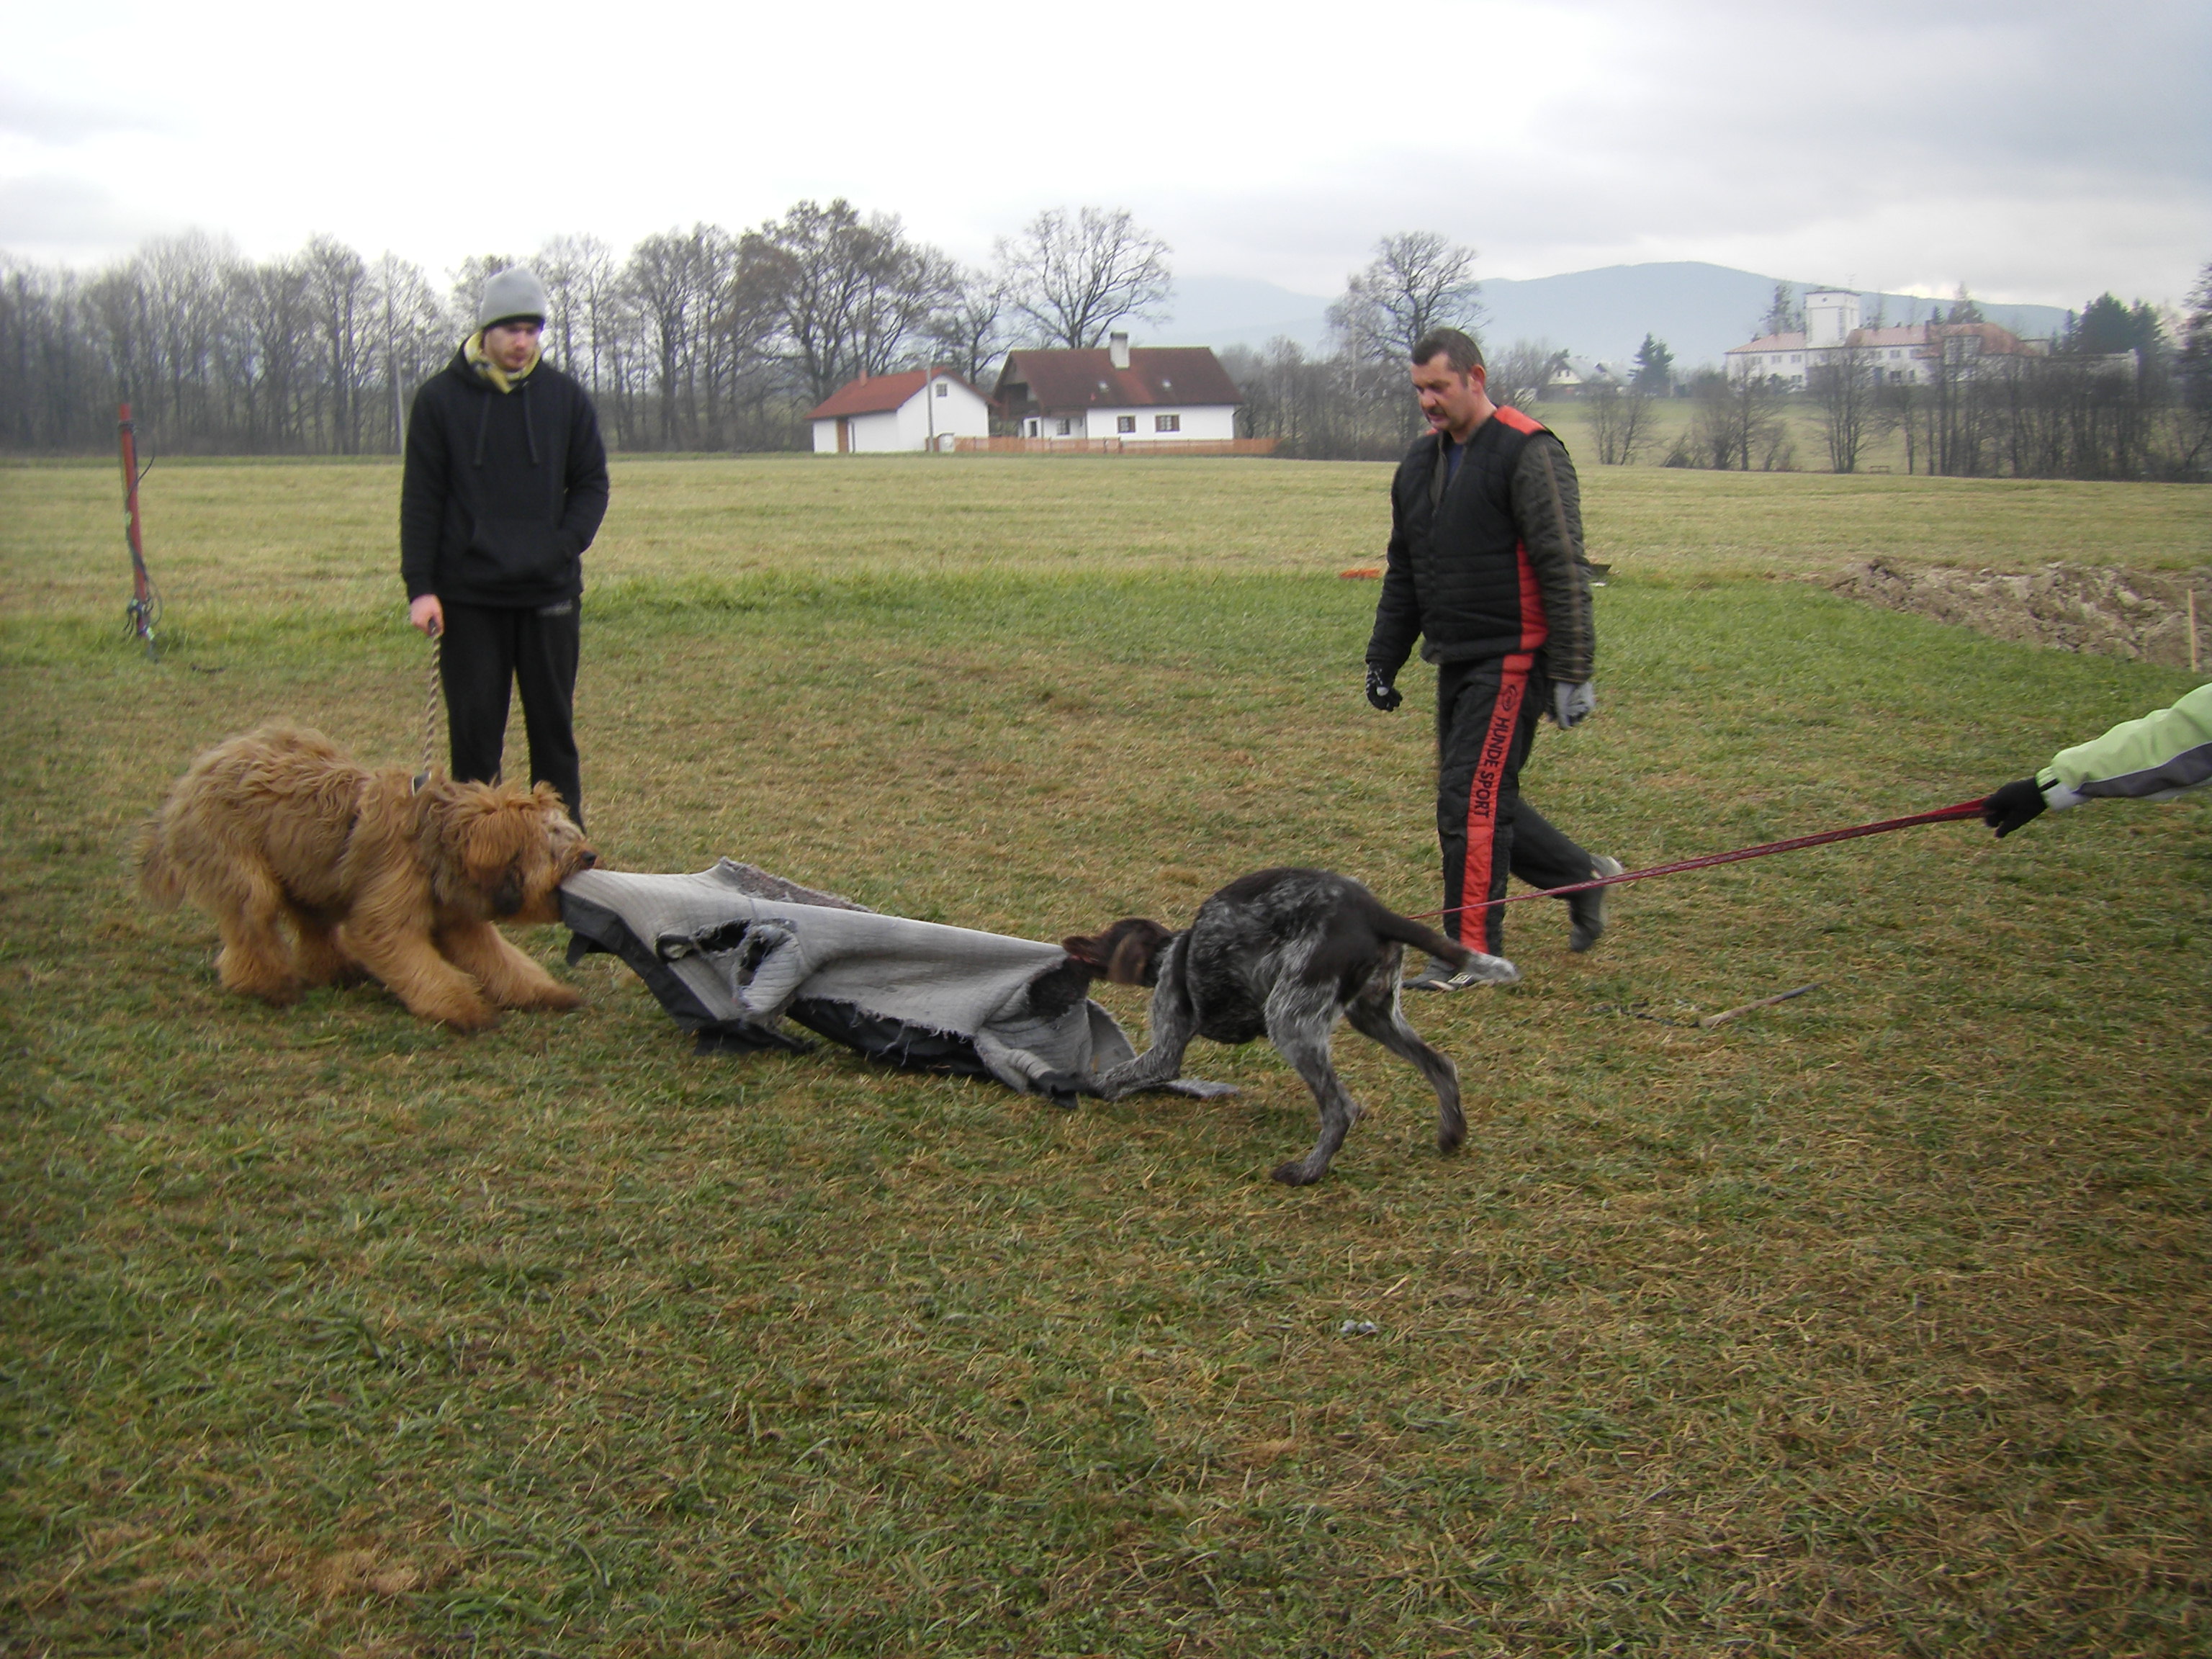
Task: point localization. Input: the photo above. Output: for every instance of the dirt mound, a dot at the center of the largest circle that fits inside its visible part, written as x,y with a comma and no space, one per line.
2138,614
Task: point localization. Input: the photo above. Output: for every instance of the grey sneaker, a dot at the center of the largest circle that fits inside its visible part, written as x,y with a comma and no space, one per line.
1586,911
1435,976
1483,971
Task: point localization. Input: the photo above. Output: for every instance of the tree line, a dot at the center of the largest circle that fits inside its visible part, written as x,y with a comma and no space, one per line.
705,339
2116,396
698,339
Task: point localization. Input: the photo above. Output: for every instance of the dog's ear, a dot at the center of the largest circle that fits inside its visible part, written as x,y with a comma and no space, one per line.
1091,952
495,830
1135,959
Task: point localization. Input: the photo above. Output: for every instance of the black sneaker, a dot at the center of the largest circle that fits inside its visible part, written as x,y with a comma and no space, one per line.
1586,911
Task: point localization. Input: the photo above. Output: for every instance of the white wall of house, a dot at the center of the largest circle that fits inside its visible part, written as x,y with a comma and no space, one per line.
945,409
1194,423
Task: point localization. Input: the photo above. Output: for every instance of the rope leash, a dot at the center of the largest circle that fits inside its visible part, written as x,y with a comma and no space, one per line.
1964,809
430,707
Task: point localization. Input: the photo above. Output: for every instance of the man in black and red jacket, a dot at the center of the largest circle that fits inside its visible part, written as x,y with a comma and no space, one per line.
504,487
1487,570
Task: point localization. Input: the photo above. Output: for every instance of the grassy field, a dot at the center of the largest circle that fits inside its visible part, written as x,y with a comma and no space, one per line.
1873,1324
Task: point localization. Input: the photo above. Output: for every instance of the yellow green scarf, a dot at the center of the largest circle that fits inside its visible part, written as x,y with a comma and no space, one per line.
492,372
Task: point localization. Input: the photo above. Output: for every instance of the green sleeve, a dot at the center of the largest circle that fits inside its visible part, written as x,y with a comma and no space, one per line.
2154,758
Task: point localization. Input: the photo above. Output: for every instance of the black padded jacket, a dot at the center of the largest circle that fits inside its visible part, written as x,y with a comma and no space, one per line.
1490,563
502,490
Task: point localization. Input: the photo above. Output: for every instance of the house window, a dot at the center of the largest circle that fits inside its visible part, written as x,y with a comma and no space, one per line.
943,390
1797,357
1125,423
1065,427
1167,422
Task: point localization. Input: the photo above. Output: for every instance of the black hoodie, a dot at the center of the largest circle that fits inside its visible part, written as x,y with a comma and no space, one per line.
502,490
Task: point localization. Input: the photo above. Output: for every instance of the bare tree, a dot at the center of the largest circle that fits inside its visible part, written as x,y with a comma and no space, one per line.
338,280
1738,424
411,337
1519,375
1844,384
969,334
1621,419
854,292
1417,281
1072,280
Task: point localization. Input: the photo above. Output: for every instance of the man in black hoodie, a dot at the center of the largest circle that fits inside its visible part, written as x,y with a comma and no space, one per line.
505,485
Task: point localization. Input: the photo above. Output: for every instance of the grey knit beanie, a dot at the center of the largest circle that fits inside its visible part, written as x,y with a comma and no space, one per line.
513,292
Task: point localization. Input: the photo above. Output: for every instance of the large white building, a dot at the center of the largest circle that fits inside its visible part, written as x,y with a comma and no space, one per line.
1144,394
919,409
1906,355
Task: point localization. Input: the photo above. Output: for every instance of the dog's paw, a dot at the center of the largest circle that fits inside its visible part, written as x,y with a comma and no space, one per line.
1451,1135
1294,1174
465,1017
557,999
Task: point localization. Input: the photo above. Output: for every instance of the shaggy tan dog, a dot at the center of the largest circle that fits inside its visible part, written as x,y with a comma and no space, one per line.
278,829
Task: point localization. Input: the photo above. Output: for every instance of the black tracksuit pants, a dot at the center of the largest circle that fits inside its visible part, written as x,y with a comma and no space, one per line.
1487,714
487,650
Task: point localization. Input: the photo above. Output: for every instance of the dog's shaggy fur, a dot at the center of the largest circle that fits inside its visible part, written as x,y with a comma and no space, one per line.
1284,954
278,831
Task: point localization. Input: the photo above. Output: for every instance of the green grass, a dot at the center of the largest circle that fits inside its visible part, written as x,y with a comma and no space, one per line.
1873,1324
322,536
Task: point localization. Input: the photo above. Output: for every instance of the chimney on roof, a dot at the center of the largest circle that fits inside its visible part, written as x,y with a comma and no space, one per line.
1117,350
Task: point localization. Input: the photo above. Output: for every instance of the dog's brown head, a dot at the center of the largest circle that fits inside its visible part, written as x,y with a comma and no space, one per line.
508,848
1127,953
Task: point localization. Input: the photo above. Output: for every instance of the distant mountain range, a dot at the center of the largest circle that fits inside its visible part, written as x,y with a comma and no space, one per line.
1698,310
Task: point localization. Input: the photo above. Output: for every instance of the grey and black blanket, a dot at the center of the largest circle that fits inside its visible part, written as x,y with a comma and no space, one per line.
733,952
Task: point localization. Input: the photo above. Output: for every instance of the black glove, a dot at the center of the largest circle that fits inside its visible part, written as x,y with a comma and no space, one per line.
1380,692
2007,809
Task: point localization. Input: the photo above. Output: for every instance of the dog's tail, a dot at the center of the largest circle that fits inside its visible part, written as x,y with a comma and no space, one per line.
159,877
1405,931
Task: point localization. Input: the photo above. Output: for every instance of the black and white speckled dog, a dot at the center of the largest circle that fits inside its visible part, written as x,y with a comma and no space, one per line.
1285,954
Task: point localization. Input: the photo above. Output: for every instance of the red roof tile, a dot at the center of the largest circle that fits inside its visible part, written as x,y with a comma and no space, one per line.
878,394
1065,380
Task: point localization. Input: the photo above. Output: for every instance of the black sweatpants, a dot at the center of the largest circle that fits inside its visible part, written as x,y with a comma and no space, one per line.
1487,714
487,650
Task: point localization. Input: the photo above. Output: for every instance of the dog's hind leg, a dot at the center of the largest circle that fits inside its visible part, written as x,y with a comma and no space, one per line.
255,960
1299,1018
510,978
1378,1013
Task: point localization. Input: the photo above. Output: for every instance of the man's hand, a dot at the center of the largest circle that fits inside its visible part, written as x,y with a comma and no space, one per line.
1380,692
1573,704
427,614
2008,809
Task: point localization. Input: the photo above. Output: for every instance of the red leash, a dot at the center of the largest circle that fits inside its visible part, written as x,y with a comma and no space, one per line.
1964,809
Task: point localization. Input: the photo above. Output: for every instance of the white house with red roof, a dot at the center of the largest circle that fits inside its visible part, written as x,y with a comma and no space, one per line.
1905,355
916,409
1141,394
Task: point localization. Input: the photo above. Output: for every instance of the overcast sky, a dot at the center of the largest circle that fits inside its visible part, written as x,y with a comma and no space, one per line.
2037,150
